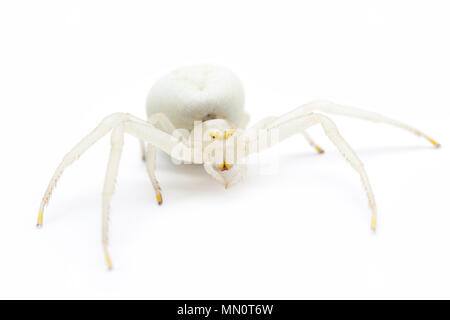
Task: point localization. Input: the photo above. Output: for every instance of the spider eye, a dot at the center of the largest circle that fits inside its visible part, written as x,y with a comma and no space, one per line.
228,134
214,135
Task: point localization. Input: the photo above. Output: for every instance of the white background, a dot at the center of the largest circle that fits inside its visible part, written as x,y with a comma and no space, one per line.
300,232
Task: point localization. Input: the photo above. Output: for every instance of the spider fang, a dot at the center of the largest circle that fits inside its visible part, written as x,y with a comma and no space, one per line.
225,166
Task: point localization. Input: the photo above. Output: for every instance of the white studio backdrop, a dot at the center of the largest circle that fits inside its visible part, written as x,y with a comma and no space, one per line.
300,231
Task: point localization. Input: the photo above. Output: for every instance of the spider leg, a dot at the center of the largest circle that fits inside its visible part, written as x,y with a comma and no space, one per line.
333,108
150,165
270,121
101,130
312,143
108,188
143,150
111,176
146,132
119,123
297,125
159,121
139,128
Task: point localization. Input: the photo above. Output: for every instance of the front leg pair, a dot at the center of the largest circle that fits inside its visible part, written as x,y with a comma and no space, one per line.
119,124
100,131
300,124
328,107
298,120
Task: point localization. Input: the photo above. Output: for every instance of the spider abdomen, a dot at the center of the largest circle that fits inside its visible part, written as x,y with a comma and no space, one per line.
197,93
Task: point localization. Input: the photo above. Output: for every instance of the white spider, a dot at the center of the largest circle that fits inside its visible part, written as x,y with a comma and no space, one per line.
213,98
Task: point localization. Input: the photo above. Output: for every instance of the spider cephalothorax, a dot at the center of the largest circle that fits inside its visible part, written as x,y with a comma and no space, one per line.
196,114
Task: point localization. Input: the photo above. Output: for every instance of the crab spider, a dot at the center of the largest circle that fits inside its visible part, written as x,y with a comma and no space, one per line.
196,115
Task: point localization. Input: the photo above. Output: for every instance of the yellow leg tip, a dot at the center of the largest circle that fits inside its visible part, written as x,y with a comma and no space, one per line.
437,145
319,149
374,223
159,198
108,260
40,219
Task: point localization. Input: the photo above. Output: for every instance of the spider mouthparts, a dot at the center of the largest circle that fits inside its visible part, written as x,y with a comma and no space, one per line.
225,166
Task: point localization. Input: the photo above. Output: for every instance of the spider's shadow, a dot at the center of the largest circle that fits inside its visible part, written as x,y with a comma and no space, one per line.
392,149
367,151
196,183
192,182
